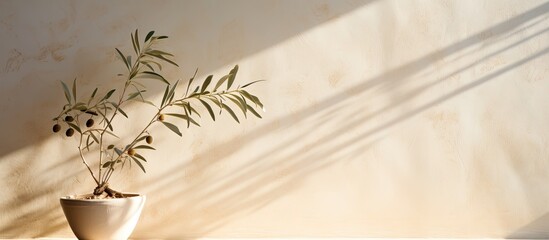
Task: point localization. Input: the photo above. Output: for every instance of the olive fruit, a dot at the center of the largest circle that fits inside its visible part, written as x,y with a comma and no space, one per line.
89,123
131,152
69,132
161,117
56,128
69,119
149,139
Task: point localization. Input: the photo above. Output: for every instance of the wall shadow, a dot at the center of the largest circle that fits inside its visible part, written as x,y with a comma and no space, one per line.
536,229
211,203
224,15
26,64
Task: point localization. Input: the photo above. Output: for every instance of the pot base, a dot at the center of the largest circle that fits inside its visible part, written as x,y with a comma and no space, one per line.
102,218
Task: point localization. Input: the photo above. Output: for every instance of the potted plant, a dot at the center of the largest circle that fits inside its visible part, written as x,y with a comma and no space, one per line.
106,213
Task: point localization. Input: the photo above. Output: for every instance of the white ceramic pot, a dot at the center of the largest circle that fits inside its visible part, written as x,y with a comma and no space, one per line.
103,218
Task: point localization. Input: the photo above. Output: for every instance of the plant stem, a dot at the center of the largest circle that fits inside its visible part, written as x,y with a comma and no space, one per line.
87,166
134,68
84,159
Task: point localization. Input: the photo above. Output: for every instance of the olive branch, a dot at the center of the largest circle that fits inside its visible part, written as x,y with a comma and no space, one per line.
80,116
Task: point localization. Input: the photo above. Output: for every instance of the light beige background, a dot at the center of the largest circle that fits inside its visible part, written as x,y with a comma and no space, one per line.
384,118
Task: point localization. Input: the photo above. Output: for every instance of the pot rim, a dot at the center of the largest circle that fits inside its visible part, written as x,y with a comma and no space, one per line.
73,198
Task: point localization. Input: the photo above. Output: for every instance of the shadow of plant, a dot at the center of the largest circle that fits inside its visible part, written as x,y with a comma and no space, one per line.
204,205
199,204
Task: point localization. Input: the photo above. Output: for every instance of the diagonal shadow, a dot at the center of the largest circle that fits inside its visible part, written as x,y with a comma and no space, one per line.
262,180
258,182
536,229
30,115
225,15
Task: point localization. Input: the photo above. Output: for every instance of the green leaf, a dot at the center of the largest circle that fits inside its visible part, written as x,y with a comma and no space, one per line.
108,95
173,128
171,94
140,157
67,93
251,109
91,112
80,106
232,76
93,93
133,72
148,65
94,137
158,52
184,117
132,95
92,96
221,81
129,60
248,84
161,57
224,106
168,60
192,110
144,147
123,58
252,98
165,96
190,82
214,100
238,103
133,43
123,113
170,98
149,35
137,40
208,108
139,164
106,164
74,90
119,109
206,83
152,75
147,61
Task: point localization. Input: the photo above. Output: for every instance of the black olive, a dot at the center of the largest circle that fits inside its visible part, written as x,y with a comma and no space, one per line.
149,139
56,128
69,119
69,132
89,123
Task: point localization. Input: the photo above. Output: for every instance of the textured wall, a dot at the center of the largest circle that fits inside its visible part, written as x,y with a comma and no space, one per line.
384,118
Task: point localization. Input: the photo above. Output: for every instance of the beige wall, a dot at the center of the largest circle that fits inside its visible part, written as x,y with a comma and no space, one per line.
384,118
